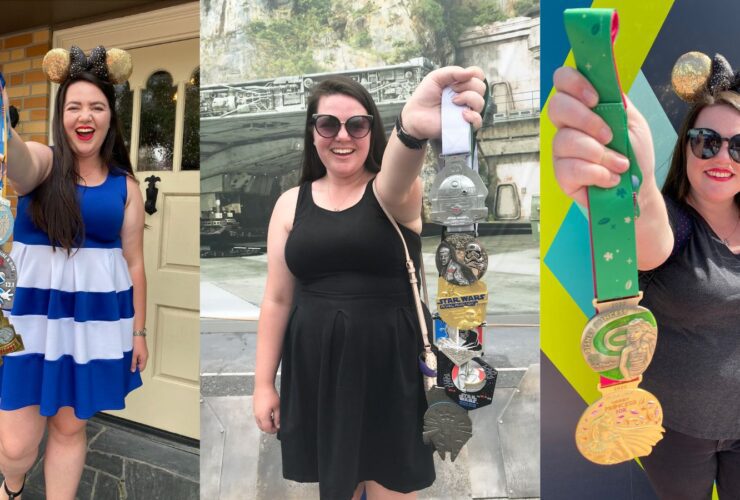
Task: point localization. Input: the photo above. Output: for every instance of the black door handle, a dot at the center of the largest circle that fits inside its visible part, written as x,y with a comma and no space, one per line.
150,205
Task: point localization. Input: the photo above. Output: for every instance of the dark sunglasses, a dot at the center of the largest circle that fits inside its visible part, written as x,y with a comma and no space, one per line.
706,143
329,125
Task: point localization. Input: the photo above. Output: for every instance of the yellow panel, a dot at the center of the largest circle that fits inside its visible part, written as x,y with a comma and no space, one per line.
562,323
639,23
178,345
554,203
181,232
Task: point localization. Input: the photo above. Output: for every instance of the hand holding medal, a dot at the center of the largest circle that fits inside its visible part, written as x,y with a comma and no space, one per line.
465,382
619,341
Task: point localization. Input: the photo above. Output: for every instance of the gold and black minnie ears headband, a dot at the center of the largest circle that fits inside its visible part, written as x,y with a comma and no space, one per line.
113,65
695,75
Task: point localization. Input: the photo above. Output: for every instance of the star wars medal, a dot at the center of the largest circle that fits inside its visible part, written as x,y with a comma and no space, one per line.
624,424
461,259
9,340
8,278
447,427
458,194
462,306
619,341
470,385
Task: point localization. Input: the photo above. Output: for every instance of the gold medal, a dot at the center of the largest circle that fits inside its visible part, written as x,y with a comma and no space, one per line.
462,306
619,342
624,424
9,340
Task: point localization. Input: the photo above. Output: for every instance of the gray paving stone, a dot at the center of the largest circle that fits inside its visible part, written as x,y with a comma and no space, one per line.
110,464
453,480
237,448
509,379
212,436
228,352
146,449
520,437
485,461
109,488
143,482
219,385
270,482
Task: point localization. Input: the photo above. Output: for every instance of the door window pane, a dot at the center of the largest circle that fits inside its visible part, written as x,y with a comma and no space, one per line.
124,110
157,129
191,131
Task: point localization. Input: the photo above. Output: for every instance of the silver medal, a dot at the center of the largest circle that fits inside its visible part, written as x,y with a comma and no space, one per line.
461,259
447,427
458,194
8,279
6,220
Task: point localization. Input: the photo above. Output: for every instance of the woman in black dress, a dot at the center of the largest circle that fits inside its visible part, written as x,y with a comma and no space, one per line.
688,247
338,307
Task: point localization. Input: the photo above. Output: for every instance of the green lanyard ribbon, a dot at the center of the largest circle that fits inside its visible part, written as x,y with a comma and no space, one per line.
612,211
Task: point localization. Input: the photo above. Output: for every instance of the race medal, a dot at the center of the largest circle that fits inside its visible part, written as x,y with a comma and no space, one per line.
8,279
9,340
619,341
462,306
458,194
625,423
6,220
461,259
447,427
470,385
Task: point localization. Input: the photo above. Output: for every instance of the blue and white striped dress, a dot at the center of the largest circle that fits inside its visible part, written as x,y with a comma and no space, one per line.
74,312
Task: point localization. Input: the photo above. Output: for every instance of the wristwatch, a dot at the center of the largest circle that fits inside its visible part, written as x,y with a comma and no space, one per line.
140,333
409,141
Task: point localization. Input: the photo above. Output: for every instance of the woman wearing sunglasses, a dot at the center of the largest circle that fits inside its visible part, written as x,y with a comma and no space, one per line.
338,309
688,247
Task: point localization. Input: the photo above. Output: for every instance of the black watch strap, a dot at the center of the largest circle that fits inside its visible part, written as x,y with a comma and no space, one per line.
409,141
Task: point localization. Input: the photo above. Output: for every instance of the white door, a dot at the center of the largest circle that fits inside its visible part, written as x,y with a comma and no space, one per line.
159,111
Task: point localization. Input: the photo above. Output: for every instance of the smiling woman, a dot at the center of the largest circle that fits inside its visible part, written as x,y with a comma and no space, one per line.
81,290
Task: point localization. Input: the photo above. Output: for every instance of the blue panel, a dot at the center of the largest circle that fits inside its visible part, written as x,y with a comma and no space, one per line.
569,259
100,384
554,44
664,135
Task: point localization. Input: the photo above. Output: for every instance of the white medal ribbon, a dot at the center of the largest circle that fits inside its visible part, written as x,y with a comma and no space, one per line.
457,134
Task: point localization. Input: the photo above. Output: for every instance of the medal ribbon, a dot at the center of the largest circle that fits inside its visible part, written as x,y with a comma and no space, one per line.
4,127
612,211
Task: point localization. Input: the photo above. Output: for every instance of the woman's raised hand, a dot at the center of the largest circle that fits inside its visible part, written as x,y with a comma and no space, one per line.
421,114
579,151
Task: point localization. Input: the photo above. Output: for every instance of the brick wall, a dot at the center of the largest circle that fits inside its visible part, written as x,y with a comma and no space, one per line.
21,55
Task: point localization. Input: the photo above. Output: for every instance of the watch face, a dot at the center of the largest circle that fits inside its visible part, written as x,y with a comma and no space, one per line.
7,334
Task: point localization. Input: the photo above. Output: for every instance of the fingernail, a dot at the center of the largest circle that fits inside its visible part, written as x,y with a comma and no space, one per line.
591,97
605,135
622,162
614,178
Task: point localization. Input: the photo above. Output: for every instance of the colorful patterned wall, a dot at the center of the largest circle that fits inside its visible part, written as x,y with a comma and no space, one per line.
652,35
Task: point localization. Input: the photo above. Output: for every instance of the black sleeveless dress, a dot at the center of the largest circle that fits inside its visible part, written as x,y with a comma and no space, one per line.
352,398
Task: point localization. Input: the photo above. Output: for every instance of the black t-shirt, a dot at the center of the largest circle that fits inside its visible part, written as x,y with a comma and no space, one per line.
695,297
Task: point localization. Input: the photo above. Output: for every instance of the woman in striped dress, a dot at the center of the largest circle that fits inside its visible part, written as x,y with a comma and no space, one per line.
80,298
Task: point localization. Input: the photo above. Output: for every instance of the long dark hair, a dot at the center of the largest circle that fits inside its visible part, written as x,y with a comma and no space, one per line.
312,168
677,184
54,207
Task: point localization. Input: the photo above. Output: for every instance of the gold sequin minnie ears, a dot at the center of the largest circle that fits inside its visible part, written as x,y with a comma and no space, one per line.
695,75
113,65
